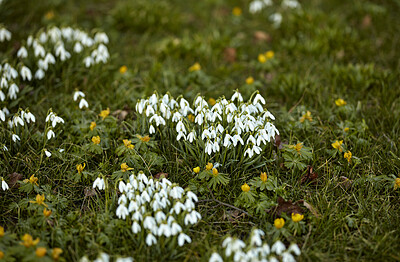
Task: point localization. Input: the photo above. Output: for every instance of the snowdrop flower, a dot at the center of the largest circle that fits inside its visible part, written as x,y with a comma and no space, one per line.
295,249
122,212
15,138
4,35
259,98
4,185
29,117
256,6
101,37
99,183
78,47
278,247
78,94
22,52
126,259
287,257
83,103
88,61
215,257
182,238
39,74
2,116
291,3
152,130
150,240
48,154
276,19
103,258
26,73
50,134
12,91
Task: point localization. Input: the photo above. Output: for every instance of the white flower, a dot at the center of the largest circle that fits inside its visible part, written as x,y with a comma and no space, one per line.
122,211
88,61
99,183
152,130
276,19
15,138
136,228
150,240
125,259
39,74
29,117
287,257
50,134
295,249
4,35
22,52
26,73
2,116
78,47
78,94
48,154
12,91
4,185
278,247
182,238
256,6
259,98
291,3
83,103
215,257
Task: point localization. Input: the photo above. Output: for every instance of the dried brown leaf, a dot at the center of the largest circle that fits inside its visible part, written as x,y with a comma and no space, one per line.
288,207
160,175
230,54
261,37
310,176
13,180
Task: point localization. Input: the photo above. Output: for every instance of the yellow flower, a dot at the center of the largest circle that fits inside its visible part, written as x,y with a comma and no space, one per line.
96,140
33,180
39,200
249,80
215,171
123,69
261,58
338,145
104,113
340,102
237,11
191,117
196,170
298,147
306,116
80,167
28,241
209,166
269,54
128,144
46,212
297,217
92,125
125,167
245,187
1,254
397,183
49,15
56,253
346,129
40,251
348,155
212,101
279,223
264,177
144,139
195,67
1,231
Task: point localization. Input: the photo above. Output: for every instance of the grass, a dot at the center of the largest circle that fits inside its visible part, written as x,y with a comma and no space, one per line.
324,51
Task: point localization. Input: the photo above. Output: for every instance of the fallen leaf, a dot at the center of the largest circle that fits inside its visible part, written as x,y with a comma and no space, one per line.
287,207
14,178
120,114
88,191
366,21
277,141
230,54
310,176
160,175
260,36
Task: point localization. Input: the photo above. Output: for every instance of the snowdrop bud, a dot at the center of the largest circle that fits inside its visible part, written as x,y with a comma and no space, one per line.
15,138
182,238
83,103
50,134
4,185
48,154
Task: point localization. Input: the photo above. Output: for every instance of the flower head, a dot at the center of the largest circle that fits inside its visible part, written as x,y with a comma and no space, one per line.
346,129
191,117
297,147
340,102
306,116
33,180
41,251
209,166
215,172
261,58
279,223
245,187
80,168
269,54
348,156
104,113
46,212
28,241
297,217
55,254
39,200
128,143
338,145
1,254
96,140
264,177
237,11
249,80
4,185
144,139
196,170
195,67
123,69
212,101
92,125
125,167
1,231
397,183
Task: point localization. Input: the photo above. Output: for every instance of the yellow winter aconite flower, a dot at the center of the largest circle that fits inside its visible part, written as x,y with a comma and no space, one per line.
297,217
212,101
340,102
80,168
46,212
261,58
245,187
49,15
279,223
92,125
195,67
33,180
40,251
128,143
264,177
215,171
104,113
125,167
96,140
144,139
191,117
1,231
1,254
348,155
209,166
196,170
338,145
297,147
123,69
397,183
28,241
269,54
39,200
237,11
55,254
306,116
249,80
